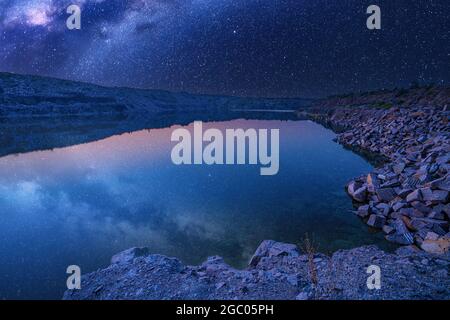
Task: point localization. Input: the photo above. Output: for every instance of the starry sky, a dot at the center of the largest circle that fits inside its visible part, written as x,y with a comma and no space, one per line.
270,48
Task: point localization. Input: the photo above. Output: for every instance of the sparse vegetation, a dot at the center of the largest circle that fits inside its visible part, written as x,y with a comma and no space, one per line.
310,248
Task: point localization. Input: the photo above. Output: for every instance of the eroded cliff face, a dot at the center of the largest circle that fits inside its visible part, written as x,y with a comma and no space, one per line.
276,271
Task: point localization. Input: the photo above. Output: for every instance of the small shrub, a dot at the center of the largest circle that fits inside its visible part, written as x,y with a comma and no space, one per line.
310,249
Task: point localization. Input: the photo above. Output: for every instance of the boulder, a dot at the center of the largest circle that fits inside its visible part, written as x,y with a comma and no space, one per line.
388,229
364,211
270,248
402,193
439,246
421,223
391,184
402,235
352,187
438,229
403,239
411,183
441,183
376,221
412,212
407,222
414,196
421,207
129,255
303,296
427,194
386,194
360,195
398,205
400,226
431,236
384,209
398,167
436,215
417,224
439,196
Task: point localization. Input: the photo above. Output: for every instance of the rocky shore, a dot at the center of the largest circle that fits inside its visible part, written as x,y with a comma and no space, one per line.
408,196
276,271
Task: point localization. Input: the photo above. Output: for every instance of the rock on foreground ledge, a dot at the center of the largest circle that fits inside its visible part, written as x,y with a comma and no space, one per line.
276,271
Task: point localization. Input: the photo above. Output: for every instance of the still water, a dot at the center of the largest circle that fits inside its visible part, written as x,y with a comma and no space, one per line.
82,204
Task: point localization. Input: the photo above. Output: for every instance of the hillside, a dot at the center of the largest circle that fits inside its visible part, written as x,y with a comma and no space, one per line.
22,95
434,96
39,113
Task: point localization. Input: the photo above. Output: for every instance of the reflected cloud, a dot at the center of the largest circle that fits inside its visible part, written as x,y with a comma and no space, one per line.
85,203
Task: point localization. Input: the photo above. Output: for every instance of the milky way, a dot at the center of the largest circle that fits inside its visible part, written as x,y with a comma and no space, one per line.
306,48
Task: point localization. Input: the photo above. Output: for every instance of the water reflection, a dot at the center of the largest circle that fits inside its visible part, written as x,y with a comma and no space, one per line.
84,203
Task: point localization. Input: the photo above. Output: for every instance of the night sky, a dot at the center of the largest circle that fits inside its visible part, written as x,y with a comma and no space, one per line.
278,48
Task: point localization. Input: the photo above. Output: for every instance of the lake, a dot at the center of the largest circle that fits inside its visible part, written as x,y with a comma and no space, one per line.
84,203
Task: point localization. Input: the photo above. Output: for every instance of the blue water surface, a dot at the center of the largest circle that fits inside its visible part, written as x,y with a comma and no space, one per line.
82,204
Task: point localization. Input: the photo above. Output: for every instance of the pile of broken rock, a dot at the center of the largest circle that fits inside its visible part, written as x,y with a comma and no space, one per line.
408,197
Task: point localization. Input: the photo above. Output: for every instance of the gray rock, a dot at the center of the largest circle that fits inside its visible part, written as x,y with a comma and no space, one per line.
341,276
303,296
439,196
421,207
400,226
386,194
388,229
270,248
364,211
436,246
437,212
404,192
384,209
129,255
414,196
421,223
360,195
402,235
417,164
427,194
352,187
441,183
398,167
391,183
438,229
412,212
398,205
403,239
376,221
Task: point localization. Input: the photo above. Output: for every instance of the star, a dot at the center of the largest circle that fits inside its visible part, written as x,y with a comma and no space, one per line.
286,48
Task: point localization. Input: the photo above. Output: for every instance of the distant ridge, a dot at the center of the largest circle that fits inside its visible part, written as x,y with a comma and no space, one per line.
26,95
431,95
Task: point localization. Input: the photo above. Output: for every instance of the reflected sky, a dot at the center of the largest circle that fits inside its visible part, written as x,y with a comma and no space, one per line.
82,204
